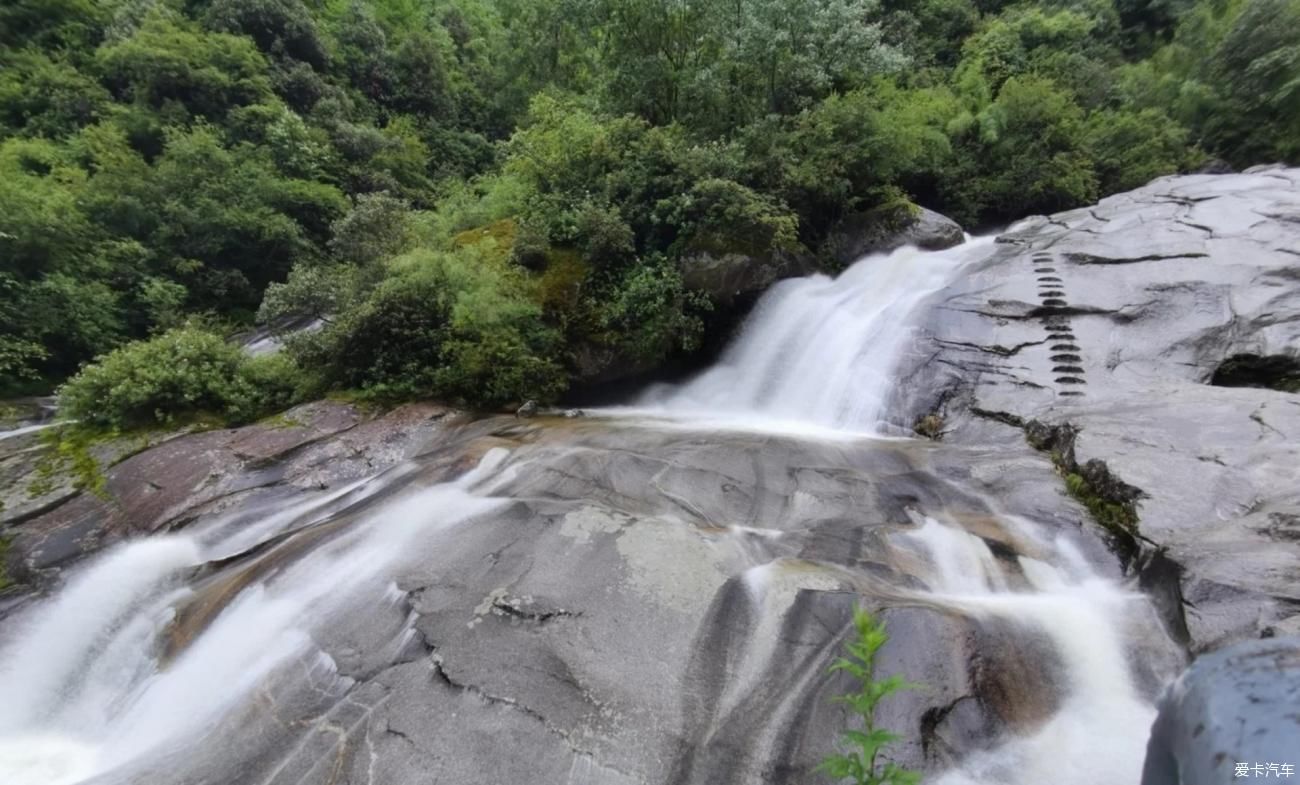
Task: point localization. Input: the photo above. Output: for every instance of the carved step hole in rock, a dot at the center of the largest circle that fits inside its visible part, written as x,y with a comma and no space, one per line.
1273,372
1070,380
1062,347
1067,369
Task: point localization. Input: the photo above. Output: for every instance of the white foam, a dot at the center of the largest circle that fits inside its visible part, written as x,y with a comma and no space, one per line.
820,350
85,691
1099,733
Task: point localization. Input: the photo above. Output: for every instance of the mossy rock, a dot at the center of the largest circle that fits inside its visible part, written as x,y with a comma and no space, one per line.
930,426
496,240
5,580
558,289
889,226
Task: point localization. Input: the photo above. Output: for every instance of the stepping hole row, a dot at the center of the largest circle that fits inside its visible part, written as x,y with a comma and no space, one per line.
1066,360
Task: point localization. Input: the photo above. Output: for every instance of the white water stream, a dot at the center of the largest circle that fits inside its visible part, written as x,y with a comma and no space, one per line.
84,691
819,351
1099,734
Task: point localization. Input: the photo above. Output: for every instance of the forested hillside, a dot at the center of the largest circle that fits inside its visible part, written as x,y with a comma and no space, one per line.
475,198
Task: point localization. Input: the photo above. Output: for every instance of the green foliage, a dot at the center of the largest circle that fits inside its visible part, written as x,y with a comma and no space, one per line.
650,313
444,325
860,764
1024,153
724,215
170,65
1119,517
5,580
378,226
556,164
1129,149
43,96
184,371
278,27
68,456
1256,70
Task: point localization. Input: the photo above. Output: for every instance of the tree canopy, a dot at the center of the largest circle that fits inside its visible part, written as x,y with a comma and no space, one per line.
473,196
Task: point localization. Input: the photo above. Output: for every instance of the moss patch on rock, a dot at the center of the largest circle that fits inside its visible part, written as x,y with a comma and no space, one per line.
496,240
930,426
68,454
558,289
1109,500
5,580
1115,516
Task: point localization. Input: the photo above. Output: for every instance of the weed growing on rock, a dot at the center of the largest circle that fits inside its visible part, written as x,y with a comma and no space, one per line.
860,765
5,580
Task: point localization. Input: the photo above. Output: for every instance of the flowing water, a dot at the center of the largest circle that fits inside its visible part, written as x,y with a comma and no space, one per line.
819,350
183,640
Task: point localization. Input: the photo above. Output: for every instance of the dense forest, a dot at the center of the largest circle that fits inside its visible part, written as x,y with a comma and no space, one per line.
485,201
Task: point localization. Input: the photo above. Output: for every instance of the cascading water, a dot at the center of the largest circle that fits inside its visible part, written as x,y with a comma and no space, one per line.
1082,615
178,641
819,350
84,683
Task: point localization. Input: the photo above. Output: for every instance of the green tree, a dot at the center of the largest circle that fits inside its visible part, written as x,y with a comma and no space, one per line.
1024,153
1256,69
171,65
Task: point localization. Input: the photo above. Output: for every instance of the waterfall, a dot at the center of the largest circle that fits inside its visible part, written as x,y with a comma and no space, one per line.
181,641
84,683
1099,734
820,350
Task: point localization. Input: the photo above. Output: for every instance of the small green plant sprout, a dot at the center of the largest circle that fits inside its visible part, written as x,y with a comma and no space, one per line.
859,765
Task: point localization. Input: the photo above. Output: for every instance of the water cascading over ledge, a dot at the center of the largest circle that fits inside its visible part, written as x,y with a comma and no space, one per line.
650,595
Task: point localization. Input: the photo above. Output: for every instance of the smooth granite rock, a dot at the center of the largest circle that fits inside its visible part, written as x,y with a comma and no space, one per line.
1231,715
865,233
1115,319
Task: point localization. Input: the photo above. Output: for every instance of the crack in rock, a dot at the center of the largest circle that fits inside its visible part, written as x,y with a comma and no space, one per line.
498,700
541,617
1086,258
998,349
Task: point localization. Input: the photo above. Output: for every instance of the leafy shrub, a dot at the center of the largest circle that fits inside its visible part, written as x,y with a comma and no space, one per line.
182,371
860,764
445,325
732,217
605,236
649,312
1132,148
378,226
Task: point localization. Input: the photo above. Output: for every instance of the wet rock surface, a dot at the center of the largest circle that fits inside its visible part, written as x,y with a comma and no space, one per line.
1232,708
657,604
728,278
647,606
163,482
867,233
1121,320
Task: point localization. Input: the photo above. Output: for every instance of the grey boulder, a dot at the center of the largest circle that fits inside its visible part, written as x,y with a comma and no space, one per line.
1233,711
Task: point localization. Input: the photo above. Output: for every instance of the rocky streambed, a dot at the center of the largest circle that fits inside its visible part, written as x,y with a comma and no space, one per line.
1163,327
419,595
